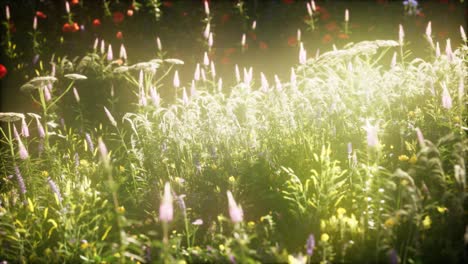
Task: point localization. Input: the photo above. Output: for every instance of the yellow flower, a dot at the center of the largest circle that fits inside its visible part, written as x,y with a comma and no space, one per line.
427,222
232,179
413,159
403,158
324,237
251,224
84,163
442,209
341,211
45,174
84,244
390,222
121,209
411,114
456,119
404,182
121,168
221,247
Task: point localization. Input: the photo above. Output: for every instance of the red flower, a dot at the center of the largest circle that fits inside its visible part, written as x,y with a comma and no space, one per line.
3,71
167,3
39,14
292,41
96,22
119,35
118,17
263,45
66,27
327,38
75,2
129,12
288,1
343,36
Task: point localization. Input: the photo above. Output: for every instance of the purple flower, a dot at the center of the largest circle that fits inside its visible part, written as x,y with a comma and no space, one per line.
166,210
53,186
40,129
103,151
24,128
90,142
235,211
446,98
310,245
393,256
20,180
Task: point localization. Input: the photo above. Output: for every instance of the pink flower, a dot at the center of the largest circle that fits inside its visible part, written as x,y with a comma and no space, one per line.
235,211
166,210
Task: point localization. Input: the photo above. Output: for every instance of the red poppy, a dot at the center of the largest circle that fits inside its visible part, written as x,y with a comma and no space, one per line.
69,27
3,71
75,2
263,45
167,3
292,41
343,36
118,17
130,12
119,35
288,1
66,27
331,26
96,22
39,14
327,38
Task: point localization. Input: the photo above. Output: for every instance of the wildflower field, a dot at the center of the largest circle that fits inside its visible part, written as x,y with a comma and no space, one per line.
354,153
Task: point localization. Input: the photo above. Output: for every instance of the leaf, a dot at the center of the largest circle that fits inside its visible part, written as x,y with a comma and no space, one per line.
106,233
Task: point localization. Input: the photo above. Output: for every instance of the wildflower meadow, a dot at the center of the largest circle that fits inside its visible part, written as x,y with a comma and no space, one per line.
114,150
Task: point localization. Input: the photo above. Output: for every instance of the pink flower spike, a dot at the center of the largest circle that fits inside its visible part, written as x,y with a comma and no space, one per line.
346,19
309,9
196,75
77,96
448,50
213,70
185,99
401,34
420,137
176,79
123,52
110,55
158,43
15,133
463,34
155,98
23,153
104,153
446,98
166,210
302,54
243,40
437,51
67,7
207,31
206,60
299,34
220,85
235,211
7,12
254,25
47,95
264,82
238,78
110,117
35,23
293,78
207,8
40,129
24,128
